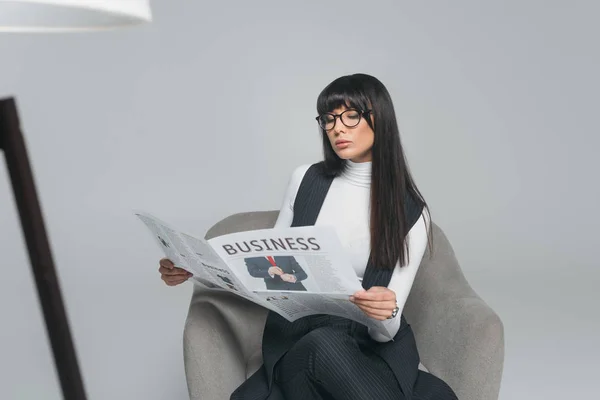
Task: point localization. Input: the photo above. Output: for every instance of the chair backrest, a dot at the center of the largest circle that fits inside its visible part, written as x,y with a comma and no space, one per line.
241,222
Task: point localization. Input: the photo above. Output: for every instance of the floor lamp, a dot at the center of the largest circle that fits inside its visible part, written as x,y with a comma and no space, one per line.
51,16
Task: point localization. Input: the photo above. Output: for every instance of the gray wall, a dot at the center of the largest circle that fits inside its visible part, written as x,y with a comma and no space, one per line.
206,112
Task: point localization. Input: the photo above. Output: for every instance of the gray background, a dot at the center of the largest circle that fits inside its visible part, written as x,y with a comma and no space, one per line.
206,112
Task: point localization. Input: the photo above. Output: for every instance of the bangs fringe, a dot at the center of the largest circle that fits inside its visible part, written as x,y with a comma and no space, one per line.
344,91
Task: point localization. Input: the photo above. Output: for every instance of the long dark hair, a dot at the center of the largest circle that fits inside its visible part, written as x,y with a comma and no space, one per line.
391,180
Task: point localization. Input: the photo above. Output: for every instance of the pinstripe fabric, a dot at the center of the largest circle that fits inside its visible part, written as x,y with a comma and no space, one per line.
323,364
322,357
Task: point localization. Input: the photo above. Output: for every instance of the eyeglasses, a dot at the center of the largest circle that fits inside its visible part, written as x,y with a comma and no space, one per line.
350,118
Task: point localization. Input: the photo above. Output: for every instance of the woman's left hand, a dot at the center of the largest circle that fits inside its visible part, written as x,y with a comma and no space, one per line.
378,302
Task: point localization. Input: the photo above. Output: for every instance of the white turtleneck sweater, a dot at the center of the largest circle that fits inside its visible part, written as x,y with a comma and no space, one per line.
346,209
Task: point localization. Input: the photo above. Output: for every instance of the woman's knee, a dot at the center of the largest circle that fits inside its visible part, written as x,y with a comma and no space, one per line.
327,344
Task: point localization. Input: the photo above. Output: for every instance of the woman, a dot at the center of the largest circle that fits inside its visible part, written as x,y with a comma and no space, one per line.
363,189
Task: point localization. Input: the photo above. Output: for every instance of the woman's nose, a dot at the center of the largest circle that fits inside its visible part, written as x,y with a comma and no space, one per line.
339,126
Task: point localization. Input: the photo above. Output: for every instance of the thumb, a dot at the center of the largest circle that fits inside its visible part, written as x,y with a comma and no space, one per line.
165,262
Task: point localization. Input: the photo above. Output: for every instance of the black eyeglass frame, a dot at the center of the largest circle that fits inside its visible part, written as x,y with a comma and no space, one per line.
361,113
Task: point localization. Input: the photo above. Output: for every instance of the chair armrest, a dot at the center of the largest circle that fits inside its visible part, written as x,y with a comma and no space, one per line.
459,337
222,331
467,338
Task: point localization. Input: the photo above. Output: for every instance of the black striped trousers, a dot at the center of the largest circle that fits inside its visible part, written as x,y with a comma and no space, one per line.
327,363
331,362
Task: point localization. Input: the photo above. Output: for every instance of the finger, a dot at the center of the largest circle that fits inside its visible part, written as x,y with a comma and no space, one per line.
379,311
376,296
174,283
369,313
166,262
181,271
377,314
380,295
177,281
378,289
377,305
173,272
167,271
171,281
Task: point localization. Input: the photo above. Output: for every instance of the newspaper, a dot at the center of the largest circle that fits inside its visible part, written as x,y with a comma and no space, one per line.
294,272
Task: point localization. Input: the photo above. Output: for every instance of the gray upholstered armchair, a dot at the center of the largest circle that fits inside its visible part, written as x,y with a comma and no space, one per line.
459,337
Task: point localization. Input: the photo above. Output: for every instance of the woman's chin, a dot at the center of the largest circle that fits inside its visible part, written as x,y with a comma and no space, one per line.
353,156
345,154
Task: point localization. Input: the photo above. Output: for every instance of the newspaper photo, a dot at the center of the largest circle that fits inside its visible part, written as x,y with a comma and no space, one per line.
295,272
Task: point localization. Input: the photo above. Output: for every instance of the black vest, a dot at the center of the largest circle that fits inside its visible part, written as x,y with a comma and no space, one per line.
280,335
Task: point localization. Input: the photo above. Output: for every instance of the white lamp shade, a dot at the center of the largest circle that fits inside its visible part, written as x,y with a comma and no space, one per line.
71,15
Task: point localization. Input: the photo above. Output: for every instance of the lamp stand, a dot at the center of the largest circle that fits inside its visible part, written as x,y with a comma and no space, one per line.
40,257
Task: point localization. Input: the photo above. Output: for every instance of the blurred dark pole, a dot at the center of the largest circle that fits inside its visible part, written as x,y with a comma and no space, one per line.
40,257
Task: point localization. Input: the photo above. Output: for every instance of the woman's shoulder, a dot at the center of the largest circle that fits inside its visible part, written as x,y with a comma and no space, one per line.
294,182
296,179
300,171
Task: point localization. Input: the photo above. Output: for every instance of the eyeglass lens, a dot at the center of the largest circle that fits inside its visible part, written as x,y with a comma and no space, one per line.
350,118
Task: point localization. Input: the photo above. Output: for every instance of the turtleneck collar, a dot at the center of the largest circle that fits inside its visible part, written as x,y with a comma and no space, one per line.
358,174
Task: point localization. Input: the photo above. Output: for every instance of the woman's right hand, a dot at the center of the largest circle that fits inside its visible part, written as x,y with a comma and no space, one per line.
171,274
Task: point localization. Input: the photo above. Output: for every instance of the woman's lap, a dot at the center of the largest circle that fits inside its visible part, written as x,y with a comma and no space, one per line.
328,363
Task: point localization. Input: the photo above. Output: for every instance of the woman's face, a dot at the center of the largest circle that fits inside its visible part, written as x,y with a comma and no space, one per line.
353,143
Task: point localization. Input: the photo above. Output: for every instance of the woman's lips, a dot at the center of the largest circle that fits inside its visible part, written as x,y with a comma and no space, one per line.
342,144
